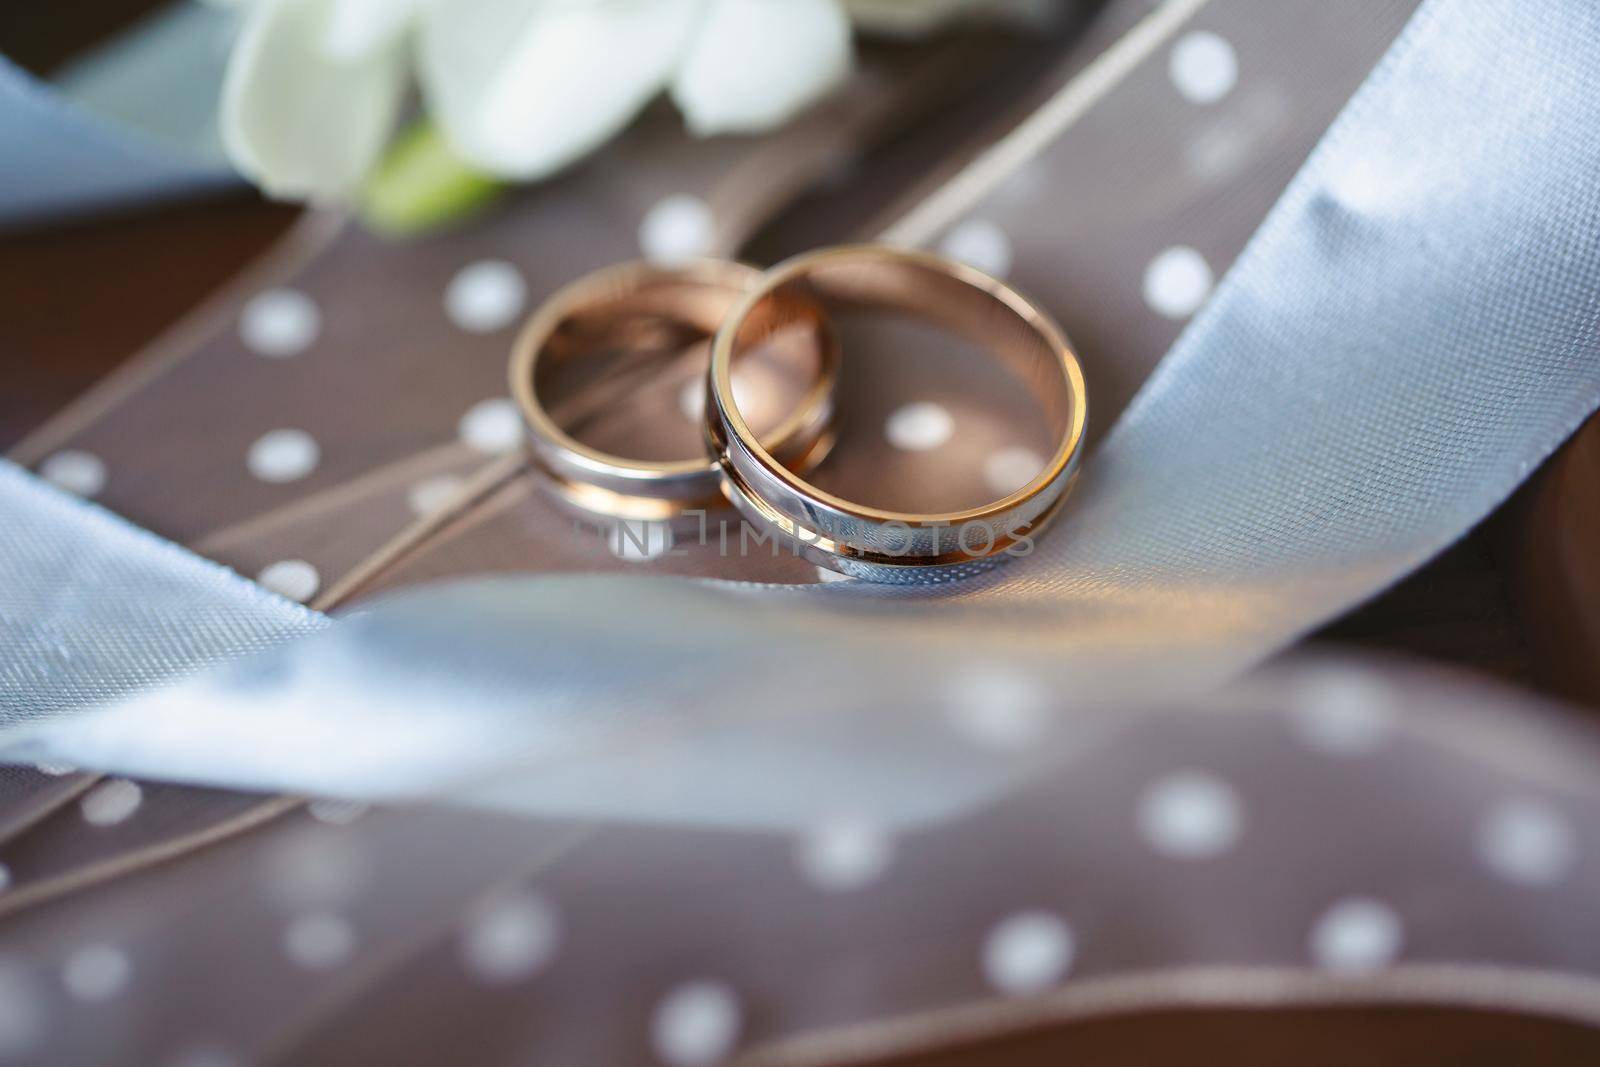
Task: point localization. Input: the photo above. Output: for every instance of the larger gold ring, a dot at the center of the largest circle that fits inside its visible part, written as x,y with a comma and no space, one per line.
660,313
871,543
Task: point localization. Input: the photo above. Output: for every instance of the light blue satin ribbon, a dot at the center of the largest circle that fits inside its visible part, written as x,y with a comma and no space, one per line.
133,121
93,608
1413,329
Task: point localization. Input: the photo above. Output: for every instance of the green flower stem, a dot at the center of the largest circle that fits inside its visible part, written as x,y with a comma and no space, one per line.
421,185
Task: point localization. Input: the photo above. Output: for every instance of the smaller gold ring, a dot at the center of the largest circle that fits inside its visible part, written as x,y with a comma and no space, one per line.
640,300
868,542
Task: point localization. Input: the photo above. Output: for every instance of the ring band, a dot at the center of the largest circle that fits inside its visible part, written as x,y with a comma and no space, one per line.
867,542
641,308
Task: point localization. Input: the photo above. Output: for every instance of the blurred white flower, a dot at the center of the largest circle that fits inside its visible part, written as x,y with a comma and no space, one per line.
520,88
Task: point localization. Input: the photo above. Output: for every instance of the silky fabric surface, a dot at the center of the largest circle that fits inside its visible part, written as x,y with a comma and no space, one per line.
92,607
119,126
1467,814
1411,331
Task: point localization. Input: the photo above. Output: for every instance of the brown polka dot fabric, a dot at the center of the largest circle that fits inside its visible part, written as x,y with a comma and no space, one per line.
1359,848
1325,859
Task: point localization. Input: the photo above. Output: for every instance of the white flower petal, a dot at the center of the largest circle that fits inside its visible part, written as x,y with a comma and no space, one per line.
523,87
297,122
358,28
755,63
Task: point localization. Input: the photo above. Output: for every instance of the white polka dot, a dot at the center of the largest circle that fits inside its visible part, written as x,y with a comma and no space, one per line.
55,770
510,939
96,972
491,426
283,456
1214,155
1356,935
638,541
919,427
828,574
1203,66
206,1055
1028,953
1177,282
433,494
1527,842
336,812
315,868
22,1011
696,1025
294,579
1190,816
485,296
844,854
1341,712
280,323
692,399
1001,708
676,229
746,393
111,802
75,472
1219,151
981,244
1010,469
319,941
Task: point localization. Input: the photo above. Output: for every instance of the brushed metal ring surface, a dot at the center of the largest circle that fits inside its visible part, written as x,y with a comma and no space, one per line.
697,296
873,543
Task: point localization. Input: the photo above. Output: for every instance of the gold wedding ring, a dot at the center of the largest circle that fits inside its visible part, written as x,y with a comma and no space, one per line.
867,542
622,329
